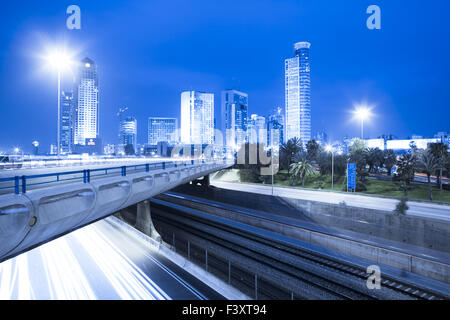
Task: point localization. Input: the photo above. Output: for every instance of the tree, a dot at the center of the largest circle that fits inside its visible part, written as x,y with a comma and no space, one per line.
374,157
313,150
440,152
289,151
406,166
359,156
428,164
390,159
302,170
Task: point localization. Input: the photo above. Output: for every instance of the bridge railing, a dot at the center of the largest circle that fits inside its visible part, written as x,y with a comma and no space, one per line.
20,184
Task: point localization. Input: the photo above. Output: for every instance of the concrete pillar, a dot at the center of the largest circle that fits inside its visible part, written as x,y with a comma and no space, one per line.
144,221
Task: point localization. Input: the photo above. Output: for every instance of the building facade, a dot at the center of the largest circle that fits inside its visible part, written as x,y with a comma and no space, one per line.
256,129
162,130
234,111
66,123
128,132
197,117
298,94
86,103
275,128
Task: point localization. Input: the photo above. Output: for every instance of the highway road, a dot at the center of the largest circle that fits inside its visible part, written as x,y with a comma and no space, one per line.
8,186
423,209
101,261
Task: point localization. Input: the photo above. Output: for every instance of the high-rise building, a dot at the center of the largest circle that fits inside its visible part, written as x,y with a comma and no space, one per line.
256,129
162,130
197,117
65,122
234,117
298,94
128,132
275,128
86,103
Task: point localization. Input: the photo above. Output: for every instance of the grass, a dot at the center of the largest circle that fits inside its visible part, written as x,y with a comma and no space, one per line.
374,187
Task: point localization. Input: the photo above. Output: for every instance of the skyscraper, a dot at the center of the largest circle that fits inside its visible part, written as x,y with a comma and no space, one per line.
256,130
197,117
86,103
298,94
275,128
234,117
162,130
128,132
65,122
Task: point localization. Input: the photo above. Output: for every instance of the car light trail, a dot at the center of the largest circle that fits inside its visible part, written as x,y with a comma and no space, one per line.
82,265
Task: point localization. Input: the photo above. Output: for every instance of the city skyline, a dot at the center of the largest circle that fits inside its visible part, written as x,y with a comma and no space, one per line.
363,73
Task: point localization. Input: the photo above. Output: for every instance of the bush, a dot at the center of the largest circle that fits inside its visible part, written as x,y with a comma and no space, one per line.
361,186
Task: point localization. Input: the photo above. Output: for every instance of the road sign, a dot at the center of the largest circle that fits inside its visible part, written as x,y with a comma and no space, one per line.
351,177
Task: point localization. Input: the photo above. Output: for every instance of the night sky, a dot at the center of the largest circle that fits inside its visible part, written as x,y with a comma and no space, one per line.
148,52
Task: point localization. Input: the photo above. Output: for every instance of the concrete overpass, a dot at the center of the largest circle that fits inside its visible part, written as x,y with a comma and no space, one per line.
37,206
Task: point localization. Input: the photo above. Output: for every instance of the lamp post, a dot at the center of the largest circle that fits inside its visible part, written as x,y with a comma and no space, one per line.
59,60
362,113
329,148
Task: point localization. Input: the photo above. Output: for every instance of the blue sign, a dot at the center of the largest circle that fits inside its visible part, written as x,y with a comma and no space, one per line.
393,171
351,177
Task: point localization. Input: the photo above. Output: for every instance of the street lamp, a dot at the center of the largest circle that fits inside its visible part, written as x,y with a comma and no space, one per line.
362,113
59,60
329,148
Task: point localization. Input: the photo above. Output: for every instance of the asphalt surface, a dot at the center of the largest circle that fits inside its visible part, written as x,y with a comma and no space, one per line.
101,261
423,209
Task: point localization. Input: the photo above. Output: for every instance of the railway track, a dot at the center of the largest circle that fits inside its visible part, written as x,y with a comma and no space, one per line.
316,275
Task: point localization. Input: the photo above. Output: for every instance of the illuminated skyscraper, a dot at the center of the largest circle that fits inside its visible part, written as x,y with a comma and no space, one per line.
234,117
298,94
86,103
275,128
197,117
65,122
128,132
162,130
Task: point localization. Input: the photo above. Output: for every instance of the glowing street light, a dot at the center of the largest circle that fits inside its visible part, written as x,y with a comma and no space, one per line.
59,60
329,148
362,113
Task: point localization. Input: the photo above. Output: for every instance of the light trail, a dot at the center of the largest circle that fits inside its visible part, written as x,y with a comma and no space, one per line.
84,265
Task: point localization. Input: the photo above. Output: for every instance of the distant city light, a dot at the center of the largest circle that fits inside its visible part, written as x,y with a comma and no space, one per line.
329,148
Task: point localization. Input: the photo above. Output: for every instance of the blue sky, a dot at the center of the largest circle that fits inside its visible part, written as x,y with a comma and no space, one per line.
150,51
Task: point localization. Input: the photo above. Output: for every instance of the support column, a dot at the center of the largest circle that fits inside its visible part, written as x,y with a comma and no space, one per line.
144,222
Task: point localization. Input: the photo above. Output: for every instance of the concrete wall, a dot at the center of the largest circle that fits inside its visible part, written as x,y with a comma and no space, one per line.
418,231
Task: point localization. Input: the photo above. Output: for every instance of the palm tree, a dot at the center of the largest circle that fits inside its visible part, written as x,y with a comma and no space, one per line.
289,150
302,170
440,152
428,164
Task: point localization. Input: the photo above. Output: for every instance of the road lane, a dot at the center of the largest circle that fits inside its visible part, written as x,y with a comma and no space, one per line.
424,209
100,261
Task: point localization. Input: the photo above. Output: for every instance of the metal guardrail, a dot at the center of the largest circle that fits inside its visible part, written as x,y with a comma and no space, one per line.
21,183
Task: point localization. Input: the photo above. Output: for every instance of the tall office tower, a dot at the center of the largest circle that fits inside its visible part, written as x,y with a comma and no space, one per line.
275,128
256,129
86,103
234,117
162,130
128,132
298,94
65,122
197,117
